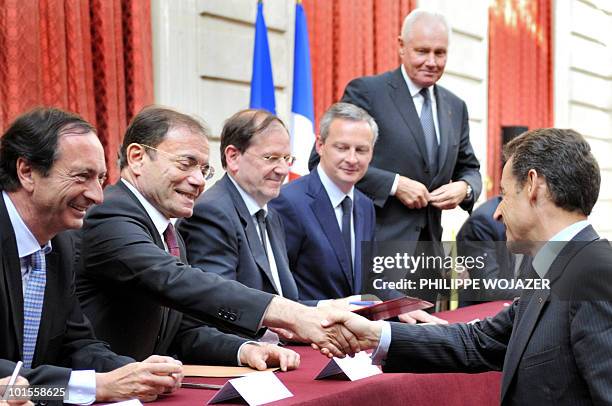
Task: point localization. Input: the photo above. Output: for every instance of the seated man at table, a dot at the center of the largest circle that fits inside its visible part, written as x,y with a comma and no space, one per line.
134,282
554,342
233,232
326,218
51,170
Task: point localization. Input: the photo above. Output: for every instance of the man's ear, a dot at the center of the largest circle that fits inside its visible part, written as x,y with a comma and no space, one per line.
135,154
25,173
535,184
318,144
232,158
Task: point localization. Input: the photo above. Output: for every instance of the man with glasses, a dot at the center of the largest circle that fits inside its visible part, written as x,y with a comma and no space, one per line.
134,282
233,232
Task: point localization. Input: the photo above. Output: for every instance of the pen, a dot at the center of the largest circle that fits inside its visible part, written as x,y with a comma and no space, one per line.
363,303
12,380
192,385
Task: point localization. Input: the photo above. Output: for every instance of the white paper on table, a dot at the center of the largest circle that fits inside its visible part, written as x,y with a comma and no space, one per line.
256,389
358,367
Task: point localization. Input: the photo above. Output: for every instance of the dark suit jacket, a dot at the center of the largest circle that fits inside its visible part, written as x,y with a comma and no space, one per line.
553,345
482,235
401,149
221,237
317,256
127,277
65,338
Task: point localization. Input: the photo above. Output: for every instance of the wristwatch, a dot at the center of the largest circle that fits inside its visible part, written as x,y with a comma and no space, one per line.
468,192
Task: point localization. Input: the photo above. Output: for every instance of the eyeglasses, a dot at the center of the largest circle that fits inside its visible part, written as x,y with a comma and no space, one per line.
275,160
186,164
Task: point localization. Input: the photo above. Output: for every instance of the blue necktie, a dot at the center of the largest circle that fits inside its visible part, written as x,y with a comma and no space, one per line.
347,207
33,304
429,129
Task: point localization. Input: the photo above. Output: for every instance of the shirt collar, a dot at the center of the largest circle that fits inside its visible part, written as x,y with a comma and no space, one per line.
549,251
26,242
159,220
412,87
336,196
250,203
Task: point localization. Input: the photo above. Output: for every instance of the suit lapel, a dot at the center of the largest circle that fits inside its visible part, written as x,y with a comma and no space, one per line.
52,261
250,229
12,272
359,217
324,212
444,124
527,320
399,93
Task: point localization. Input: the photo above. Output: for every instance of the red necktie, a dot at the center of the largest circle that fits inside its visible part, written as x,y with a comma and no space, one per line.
170,237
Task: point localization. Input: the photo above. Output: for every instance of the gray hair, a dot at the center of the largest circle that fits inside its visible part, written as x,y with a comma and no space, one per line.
419,13
346,111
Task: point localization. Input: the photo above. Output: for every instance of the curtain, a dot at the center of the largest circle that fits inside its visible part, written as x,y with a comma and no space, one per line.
92,57
351,38
520,73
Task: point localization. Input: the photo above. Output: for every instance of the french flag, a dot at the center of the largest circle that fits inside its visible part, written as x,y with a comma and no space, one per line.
302,106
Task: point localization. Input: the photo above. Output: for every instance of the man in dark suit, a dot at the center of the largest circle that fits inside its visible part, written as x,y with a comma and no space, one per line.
327,219
233,232
423,162
485,236
51,170
132,258
553,344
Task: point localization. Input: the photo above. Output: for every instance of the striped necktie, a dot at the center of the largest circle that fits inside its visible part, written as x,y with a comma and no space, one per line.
33,304
171,242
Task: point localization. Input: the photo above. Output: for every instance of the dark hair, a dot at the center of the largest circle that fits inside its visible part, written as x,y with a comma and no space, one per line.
564,159
240,128
152,123
34,136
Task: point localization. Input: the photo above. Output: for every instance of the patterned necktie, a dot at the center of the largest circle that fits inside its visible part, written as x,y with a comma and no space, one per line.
170,238
33,304
261,223
429,129
347,207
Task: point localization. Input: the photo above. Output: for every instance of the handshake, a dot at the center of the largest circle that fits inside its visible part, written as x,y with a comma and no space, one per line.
331,329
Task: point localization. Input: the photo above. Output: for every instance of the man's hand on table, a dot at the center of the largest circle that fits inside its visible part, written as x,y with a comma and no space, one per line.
142,380
262,355
420,316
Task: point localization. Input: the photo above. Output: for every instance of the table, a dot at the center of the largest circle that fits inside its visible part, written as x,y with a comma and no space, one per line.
385,389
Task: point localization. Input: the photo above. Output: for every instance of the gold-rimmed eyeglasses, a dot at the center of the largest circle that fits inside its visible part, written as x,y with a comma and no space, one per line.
275,160
185,163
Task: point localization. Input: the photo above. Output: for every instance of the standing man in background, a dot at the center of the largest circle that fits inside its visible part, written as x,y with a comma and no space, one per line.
423,162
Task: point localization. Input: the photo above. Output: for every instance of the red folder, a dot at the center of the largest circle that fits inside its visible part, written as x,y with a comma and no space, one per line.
393,308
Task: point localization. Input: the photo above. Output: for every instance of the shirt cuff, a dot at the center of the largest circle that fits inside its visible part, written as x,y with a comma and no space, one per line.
81,388
394,186
380,354
240,364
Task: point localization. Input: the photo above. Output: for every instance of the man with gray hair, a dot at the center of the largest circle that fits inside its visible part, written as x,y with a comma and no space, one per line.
423,162
326,219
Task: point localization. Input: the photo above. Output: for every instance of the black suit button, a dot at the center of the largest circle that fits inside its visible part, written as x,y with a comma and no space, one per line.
232,317
220,314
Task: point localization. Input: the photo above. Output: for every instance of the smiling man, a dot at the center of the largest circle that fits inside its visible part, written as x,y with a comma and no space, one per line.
51,171
326,218
233,232
423,162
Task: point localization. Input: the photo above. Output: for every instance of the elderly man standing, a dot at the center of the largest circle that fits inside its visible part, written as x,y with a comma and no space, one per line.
554,342
233,232
132,257
51,171
423,162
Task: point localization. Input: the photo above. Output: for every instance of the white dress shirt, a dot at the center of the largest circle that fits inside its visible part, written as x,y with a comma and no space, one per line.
82,384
